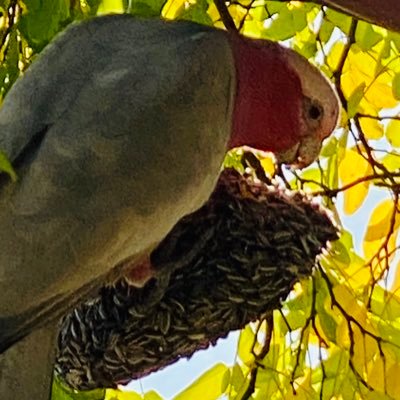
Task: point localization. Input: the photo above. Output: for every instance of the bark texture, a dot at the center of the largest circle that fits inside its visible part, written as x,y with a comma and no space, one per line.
385,13
237,258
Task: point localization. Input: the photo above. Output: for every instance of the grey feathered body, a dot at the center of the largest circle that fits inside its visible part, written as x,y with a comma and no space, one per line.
118,129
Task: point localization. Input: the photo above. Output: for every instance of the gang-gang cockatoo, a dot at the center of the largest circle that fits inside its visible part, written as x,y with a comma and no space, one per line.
119,129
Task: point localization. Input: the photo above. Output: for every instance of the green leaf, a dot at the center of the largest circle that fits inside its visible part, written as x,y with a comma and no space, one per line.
330,147
93,5
366,37
328,323
354,100
340,253
395,38
384,304
325,31
43,20
9,70
233,159
307,50
313,175
302,302
147,8
210,386
197,13
62,392
332,172
340,20
238,380
396,86
337,365
341,249
5,166
268,385
295,319
274,7
112,394
287,24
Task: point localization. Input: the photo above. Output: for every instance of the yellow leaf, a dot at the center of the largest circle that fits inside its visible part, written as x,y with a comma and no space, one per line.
361,67
352,167
347,300
344,118
342,334
371,250
212,12
110,6
152,395
313,338
380,221
391,161
238,13
210,386
303,387
395,286
371,351
371,128
173,8
356,273
380,95
393,380
393,132
359,359
376,374
268,165
335,55
246,341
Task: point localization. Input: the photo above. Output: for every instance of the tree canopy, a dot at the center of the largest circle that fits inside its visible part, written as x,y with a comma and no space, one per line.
337,335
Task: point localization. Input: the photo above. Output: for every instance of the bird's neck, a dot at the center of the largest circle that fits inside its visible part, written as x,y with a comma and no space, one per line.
263,117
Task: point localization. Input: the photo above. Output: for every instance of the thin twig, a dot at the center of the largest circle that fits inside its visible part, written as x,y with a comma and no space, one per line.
337,74
226,17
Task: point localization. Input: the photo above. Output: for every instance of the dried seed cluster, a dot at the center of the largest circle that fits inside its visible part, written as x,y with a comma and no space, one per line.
255,243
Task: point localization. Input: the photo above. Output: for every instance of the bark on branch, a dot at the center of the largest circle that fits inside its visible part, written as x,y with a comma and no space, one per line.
262,241
385,13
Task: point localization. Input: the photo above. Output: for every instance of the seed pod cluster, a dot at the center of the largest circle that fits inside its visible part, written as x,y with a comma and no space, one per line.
238,257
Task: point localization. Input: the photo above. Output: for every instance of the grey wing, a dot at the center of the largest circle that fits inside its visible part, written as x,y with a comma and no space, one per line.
125,154
45,91
36,350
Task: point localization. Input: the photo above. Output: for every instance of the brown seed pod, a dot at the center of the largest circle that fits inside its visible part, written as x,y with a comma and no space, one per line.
255,242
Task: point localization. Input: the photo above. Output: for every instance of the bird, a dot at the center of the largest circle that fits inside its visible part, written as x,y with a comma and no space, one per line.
117,130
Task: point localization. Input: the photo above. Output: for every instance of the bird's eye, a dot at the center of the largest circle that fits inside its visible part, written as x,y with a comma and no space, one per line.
315,112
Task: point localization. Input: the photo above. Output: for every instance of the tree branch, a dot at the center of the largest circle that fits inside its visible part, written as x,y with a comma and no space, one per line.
385,13
225,16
